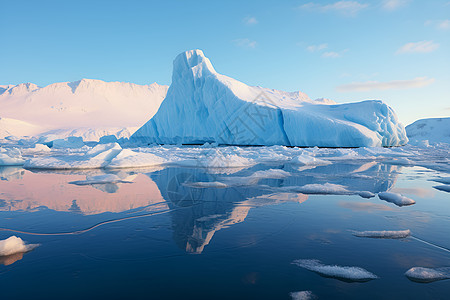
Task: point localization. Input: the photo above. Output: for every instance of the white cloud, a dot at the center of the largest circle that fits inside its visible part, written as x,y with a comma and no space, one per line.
445,25
315,48
391,5
388,85
245,43
439,24
350,8
331,54
419,47
250,21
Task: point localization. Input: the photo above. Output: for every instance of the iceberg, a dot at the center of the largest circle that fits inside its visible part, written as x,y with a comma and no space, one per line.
426,131
203,106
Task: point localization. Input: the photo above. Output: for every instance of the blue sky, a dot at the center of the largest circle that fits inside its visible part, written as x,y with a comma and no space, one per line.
394,50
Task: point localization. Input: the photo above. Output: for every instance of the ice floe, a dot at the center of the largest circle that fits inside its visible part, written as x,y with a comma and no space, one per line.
351,274
366,194
322,189
425,275
385,234
14,245
395,198
131,159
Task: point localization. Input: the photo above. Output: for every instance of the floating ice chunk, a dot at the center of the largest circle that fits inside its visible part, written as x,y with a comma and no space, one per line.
302,295
131,159
213,184
366,194
11,160
445,187
400,234
14,245
425,275
395,198
100,179
40,147
97,157
309,160
323,189
351,274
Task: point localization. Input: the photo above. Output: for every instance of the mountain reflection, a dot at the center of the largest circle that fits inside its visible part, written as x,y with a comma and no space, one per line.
196,213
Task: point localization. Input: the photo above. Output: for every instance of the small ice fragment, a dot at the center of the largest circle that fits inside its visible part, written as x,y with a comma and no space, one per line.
213,184
395,198
445,188
349,274
326,188
425,275
366,194
400,234
302,295
305,159
13,245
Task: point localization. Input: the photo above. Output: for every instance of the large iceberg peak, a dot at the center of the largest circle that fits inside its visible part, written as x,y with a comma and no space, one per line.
192,61
203,106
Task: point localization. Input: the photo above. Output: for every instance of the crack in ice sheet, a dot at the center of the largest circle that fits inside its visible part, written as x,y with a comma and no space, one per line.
89,228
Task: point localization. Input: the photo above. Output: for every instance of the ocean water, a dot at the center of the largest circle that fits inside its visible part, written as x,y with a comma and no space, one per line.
159,234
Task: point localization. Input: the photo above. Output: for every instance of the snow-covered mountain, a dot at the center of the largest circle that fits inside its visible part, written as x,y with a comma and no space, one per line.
13,127
205,106
86,104
433,130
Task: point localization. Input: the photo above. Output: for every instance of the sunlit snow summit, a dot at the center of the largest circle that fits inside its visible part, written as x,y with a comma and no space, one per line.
204,106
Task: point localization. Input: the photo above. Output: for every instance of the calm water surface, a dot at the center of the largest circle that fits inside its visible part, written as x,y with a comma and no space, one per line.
160,236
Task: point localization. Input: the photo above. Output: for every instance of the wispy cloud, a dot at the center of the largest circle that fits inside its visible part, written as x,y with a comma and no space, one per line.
315,48
349,8
245,43
418,47
327,54
250,20
391,5
331,54
387,85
